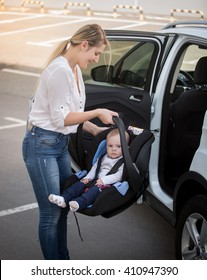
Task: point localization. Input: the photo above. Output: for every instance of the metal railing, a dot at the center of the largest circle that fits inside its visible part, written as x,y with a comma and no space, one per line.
186,11
31,2
82,5
129,7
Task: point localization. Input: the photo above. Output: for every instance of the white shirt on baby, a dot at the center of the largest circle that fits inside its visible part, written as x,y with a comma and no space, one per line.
106,165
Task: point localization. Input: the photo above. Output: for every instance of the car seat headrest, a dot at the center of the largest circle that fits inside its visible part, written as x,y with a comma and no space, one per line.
101,150
200,74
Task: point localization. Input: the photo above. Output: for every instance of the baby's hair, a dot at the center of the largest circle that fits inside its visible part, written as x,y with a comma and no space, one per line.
115,132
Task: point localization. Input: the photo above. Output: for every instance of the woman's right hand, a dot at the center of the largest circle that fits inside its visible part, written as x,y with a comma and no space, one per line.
106,116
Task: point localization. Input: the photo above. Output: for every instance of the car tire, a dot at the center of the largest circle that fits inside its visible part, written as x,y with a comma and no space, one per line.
191,233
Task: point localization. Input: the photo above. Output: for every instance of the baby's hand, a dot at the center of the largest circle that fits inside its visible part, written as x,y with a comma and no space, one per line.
99,182
85,181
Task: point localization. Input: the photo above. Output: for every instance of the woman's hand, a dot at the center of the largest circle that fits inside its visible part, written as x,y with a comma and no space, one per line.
106,116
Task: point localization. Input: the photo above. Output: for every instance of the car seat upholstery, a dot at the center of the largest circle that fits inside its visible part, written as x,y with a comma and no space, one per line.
187,114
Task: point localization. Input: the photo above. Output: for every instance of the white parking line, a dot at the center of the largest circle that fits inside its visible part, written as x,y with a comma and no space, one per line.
129,26
18,123
76,19
20,19
49,43
19,72
18,209
43,27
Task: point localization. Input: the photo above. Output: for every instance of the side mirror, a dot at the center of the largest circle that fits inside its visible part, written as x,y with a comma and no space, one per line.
102,73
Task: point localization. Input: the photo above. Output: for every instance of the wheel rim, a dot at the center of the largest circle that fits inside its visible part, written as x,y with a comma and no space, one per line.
194,238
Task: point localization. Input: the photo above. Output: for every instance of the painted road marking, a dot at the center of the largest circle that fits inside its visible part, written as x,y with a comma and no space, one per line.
20,19
51,43
48,43
129,26
131,23
43,27
18,209
24,207
19,72
18,123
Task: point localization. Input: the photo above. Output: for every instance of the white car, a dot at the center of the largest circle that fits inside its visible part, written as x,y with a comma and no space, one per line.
158,81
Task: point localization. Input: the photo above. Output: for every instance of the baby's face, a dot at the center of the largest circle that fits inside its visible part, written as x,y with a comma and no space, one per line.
114,146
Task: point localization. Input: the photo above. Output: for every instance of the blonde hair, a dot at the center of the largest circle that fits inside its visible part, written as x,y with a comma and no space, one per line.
92,33
115,132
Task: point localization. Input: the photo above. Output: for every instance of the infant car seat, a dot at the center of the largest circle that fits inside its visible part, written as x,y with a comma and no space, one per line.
120,196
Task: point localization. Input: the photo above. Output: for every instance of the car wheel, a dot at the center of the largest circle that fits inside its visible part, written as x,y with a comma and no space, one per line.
191,233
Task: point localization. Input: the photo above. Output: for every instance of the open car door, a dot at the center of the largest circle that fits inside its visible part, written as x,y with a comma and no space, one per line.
126,86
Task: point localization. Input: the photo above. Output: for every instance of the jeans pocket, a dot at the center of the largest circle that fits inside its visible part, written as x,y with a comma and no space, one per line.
47,144
48,140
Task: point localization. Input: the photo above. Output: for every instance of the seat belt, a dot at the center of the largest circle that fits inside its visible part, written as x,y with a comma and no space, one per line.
132,170
113,170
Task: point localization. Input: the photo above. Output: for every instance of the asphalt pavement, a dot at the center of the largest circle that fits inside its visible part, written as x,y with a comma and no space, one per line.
136,234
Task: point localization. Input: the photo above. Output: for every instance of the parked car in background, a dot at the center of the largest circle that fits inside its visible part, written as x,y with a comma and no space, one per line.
158,81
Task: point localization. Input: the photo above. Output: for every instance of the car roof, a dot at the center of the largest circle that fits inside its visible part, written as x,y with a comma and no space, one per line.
195,28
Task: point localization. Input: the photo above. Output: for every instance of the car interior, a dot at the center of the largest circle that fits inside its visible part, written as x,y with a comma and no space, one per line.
188,104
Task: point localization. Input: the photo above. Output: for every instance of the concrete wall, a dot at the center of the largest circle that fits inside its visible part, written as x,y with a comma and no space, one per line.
160,7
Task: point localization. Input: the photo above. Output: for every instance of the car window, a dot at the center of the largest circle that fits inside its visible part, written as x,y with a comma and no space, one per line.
184,76
117,50
131,61
192,55
134,67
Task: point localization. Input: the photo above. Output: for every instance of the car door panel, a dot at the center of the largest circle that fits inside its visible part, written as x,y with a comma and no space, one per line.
132,105
136,59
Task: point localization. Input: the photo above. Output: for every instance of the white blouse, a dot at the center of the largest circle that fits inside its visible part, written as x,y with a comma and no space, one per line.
57,94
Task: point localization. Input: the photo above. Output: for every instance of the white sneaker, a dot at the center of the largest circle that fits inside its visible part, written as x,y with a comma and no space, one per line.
58,200
74,206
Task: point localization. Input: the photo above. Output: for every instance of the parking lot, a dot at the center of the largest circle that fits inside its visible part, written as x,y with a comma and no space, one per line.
26,39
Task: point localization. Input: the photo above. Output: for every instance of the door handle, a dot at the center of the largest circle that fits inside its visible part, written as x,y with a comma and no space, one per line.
136,98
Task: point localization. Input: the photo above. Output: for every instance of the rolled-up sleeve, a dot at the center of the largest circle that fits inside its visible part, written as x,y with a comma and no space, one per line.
60,87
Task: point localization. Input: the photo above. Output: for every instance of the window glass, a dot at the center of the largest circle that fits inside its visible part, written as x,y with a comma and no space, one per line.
118,50
192,55
184,74
130,60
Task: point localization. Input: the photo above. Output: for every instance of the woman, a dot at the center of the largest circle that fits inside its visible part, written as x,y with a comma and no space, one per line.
56,112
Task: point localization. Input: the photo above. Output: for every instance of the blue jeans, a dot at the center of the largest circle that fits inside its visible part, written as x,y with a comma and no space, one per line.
48,163
77,193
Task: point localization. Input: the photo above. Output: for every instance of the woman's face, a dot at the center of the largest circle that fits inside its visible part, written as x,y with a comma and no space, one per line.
89,54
